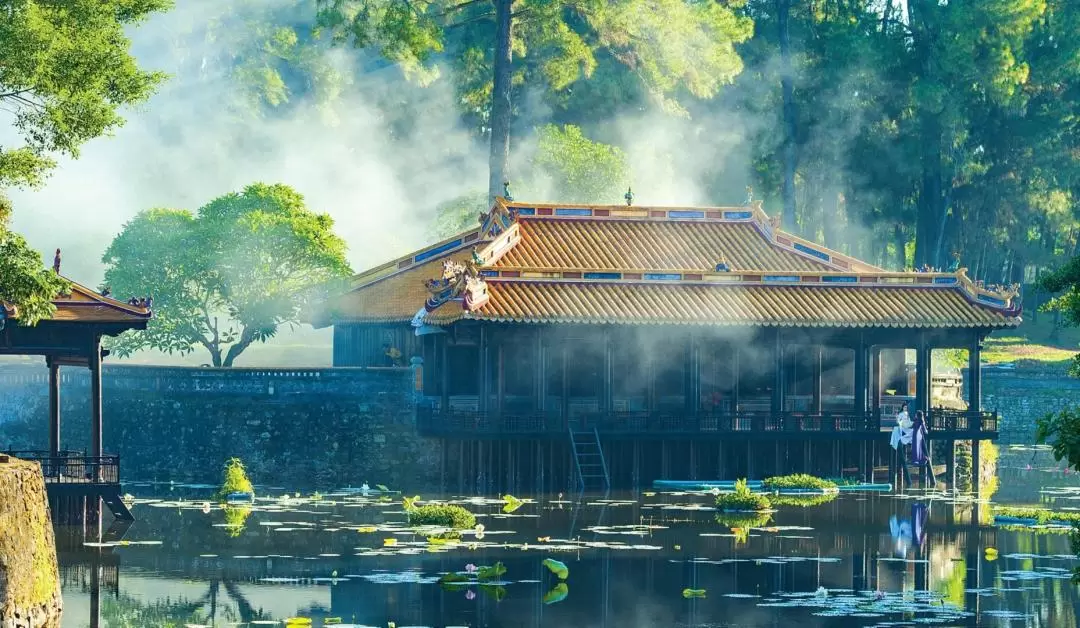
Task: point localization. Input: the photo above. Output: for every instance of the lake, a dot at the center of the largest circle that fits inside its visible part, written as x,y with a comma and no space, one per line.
633,559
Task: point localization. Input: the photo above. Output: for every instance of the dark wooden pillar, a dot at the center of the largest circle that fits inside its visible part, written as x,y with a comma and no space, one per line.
95,401
861,372
693,375
540,385
607,403
442,342
975,374
875,382
815,365
922,375
778,375
482,385
500,372
735,368
54,406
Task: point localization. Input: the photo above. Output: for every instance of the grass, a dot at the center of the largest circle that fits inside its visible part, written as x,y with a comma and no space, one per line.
445,515
1042,516
742,499
802,501
799,480
1033,344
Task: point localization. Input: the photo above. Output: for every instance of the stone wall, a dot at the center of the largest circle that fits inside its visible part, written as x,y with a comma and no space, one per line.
1021,396
295,429
29,580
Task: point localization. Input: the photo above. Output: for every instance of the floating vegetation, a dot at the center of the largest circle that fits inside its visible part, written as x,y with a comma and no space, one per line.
802,481
1040,516
744,519
742,499
512,504
928,607
446,515
235,484
557,594
693,593
556,567
802,501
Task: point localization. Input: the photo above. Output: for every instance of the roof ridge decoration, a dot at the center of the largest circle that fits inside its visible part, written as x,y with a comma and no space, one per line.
458,280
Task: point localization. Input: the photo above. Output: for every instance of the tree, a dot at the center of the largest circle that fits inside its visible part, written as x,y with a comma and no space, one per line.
24,280
675,47
66,71
228,275
566,166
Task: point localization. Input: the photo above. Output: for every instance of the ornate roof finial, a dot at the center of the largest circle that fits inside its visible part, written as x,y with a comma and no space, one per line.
722,266
506,191
749,194
56,262
629,196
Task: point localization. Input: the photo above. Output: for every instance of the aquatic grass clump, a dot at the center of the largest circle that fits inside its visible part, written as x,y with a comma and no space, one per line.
799,481
744,519
742,499
803,501
1042,516
445,515
234,479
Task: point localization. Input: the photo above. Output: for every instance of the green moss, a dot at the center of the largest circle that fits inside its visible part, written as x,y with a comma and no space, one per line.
27,546
802,501
742,499
798,480
446,515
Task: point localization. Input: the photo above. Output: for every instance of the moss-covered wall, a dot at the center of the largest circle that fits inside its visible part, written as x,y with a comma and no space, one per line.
300,429
1021,396
29,580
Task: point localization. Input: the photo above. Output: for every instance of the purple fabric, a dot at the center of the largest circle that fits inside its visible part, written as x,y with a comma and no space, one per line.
918,523
918,443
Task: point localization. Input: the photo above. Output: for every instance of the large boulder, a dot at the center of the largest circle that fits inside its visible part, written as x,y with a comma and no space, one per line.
29,578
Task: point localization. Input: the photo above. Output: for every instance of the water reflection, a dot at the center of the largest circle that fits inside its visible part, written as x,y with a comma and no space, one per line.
860,560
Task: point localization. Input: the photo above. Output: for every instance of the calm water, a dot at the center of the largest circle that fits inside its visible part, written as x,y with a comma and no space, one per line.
880,559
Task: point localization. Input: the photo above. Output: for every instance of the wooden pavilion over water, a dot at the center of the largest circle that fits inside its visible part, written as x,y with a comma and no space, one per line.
72,337
568,344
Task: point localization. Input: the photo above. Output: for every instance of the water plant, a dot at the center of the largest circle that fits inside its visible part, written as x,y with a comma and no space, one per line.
798,481
692,593
446,515
1042,516
234,479
742,499
802,501
743,519
557,567
236,519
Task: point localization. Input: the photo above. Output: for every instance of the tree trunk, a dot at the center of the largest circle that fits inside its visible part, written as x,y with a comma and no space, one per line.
791,157
499,160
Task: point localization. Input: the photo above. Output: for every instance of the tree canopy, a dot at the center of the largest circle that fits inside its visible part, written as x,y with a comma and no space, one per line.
66,71
227,276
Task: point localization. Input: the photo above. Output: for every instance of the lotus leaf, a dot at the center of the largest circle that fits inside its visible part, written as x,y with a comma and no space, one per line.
693,593
558,568
557,594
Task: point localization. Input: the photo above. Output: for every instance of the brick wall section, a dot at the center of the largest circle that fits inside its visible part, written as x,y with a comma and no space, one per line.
296,429
1021,396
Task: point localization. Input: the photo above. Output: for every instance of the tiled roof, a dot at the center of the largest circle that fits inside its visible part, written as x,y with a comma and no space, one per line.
86,305
757,305
607,264
647,245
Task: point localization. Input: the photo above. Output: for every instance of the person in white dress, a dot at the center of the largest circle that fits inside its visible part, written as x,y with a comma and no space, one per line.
901,439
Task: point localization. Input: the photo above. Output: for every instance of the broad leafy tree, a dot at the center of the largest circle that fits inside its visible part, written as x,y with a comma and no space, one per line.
66,69
226,276
675,48
24,279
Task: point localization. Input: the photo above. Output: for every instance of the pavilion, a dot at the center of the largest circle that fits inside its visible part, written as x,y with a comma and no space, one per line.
71,336
660,341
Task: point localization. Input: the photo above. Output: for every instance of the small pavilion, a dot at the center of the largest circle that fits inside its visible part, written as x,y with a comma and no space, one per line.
663,342
72,336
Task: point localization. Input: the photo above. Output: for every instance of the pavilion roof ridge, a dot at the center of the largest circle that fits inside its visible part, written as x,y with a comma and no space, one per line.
96,298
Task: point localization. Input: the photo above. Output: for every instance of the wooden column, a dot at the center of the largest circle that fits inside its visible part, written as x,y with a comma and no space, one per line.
442,342
861,372
922,376
540,385
875,382
54,406
815,365
500,372
735,379
607,403
778,375
95,402
482,385
975,374
693,375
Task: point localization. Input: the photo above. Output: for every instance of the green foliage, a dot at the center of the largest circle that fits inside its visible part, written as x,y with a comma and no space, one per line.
561,571
1042,516
798,480
743,519
491,572
577,169
227,276
1065,283
236,519
66,70
446,515
742,499
802,501
24,280
693,593
557,593
1062,432
458,215
234,479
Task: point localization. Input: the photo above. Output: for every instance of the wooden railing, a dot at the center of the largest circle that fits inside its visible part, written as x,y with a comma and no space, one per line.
73,467
433,421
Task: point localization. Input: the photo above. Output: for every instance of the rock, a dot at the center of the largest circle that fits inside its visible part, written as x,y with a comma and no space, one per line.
29,578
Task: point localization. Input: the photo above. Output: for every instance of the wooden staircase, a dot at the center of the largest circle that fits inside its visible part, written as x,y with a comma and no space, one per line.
115,503
589,460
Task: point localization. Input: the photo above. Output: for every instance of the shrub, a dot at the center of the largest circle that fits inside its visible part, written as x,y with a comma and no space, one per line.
743,519
446,515
742,499
1040,515
798,480
234,479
